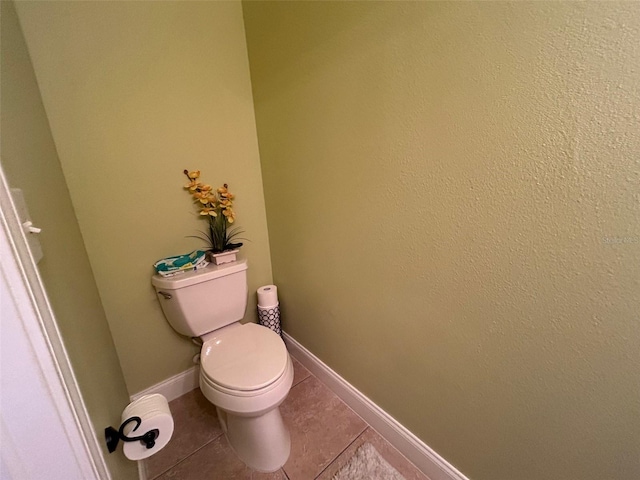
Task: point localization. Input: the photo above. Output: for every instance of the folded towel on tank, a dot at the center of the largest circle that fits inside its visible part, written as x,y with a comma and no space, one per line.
170,266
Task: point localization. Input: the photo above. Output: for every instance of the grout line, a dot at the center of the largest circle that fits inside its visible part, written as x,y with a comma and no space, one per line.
310,375
344,450
165,471
302,381
423,457
366,424
192,453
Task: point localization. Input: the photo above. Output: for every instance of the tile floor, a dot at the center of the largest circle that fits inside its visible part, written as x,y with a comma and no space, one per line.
325,433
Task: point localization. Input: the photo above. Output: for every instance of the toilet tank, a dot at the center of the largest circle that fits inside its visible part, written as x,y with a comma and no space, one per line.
204,300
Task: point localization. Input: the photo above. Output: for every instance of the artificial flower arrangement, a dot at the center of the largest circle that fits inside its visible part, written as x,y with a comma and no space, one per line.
217,207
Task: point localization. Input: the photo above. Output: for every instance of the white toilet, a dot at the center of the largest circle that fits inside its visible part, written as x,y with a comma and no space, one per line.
246,371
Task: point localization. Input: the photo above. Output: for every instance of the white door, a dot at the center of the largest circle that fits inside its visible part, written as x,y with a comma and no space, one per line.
45,432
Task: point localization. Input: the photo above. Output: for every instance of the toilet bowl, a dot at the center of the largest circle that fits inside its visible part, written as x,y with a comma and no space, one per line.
246,371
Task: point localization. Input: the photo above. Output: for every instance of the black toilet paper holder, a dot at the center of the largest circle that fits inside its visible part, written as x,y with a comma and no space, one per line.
113,436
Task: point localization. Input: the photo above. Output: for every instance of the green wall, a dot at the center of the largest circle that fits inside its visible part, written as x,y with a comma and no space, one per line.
452,199
135,93
30,162
451,188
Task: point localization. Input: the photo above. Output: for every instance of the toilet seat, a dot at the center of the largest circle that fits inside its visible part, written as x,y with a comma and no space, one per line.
243,361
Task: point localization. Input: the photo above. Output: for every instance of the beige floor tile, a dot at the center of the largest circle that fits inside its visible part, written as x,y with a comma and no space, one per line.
325,433
299,372
384,448
321,427
216,461
195,424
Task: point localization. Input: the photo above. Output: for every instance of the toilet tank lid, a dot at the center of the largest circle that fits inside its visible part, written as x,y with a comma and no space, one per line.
210,272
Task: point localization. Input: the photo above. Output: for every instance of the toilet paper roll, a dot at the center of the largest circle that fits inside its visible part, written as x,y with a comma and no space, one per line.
154,412
268,296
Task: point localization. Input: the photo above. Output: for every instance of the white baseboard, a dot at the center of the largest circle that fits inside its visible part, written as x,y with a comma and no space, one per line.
175,386
424,457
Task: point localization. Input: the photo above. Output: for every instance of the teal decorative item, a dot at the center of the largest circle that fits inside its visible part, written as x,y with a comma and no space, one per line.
178,264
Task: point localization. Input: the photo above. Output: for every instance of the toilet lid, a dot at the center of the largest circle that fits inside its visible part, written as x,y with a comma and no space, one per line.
245,358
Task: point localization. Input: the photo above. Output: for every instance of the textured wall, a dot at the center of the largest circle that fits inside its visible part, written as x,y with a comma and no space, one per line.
30,161
136,92
453,198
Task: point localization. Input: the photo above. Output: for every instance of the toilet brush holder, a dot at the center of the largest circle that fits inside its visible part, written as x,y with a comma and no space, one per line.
270,317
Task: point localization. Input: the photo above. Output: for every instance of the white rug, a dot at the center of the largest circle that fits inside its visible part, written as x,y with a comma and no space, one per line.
367,464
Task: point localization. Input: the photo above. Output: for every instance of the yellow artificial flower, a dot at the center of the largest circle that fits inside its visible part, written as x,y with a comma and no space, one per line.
230,214
203,197
192,185
216,206
208,211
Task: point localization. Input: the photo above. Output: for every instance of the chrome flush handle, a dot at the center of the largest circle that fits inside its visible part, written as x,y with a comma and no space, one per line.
167,296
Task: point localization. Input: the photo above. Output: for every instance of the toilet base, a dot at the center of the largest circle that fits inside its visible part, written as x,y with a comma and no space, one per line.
262,443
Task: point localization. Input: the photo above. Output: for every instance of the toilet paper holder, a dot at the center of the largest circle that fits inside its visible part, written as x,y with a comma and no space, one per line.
113,436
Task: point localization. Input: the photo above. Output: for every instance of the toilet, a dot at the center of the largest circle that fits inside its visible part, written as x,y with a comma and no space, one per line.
245,370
